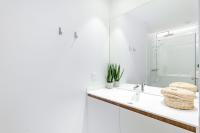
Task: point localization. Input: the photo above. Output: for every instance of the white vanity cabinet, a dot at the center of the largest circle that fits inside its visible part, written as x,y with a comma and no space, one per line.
102,117
131,122
110,111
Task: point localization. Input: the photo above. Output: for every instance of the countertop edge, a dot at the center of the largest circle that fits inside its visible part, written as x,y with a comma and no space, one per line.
148,114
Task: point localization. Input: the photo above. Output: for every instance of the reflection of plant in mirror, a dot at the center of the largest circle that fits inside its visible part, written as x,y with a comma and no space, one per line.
110,77
117,74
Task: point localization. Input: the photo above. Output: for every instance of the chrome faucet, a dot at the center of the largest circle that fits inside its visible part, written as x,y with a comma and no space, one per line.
142,86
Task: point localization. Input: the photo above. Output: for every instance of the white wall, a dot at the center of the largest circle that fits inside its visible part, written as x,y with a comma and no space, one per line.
43,76
128,47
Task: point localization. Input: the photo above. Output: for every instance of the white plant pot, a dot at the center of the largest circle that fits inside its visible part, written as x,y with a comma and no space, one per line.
109,85
116,84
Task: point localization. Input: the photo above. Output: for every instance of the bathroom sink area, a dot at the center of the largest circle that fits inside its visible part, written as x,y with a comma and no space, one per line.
149,102
147,89
126,95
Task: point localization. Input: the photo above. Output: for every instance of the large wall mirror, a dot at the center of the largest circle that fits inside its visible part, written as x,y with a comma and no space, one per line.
157,42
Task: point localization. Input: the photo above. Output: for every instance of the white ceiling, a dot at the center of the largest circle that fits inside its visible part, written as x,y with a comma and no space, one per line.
165,14
120,7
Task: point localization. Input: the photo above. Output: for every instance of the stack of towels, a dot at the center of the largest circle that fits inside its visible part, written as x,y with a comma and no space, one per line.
179,95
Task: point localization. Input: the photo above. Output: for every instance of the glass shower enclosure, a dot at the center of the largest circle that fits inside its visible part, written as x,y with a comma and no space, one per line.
173,59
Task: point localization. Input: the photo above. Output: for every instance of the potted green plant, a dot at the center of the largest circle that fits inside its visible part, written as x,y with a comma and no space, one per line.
109,77
117,75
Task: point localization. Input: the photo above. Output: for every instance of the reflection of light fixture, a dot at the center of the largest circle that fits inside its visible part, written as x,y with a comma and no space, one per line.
164,34
170,34
176,31
184,29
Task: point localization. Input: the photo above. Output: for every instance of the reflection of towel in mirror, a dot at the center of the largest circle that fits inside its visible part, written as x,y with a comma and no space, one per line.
184,85
178,98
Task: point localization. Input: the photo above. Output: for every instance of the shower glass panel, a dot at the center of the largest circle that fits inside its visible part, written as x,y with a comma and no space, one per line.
175,59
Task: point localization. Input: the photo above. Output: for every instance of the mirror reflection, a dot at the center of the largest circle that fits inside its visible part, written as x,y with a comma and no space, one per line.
157,43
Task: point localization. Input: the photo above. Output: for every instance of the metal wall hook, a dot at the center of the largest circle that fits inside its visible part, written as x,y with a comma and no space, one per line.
75,35
60,31
132,48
